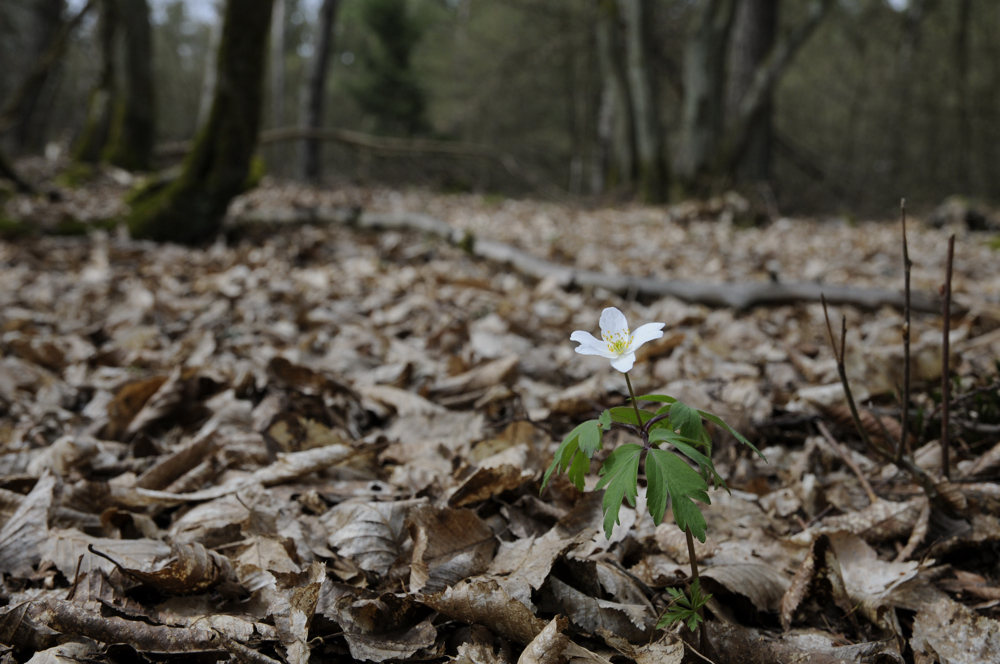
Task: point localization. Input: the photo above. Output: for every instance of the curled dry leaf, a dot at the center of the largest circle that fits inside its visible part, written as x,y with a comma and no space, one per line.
377,627
372,534
193,569
488,482
548,646
763,585
530,558
633,622
22,537
448,545
881,521
69,552
483,601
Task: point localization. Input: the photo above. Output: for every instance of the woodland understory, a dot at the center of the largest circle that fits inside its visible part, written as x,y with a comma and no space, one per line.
321,437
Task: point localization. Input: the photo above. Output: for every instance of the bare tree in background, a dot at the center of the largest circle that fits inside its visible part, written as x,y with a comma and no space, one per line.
133,126
652,175
100,104
753,37
616,164
191,208
315,91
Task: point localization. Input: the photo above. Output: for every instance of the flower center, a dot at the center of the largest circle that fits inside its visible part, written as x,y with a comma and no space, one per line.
617,342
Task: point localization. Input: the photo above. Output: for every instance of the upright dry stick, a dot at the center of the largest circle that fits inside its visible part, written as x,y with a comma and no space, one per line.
945,349
905,417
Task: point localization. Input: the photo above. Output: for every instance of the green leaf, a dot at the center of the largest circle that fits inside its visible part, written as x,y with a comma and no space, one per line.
626,415
686,420
684,445
659,398
668,473
565,453
736,434
590,437
605,420
620,474
578,470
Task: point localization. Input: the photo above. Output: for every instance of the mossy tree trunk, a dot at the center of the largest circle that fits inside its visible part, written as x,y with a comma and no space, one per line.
133,128
191,209
100,104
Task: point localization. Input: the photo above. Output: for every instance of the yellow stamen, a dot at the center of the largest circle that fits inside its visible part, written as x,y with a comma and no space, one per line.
617,342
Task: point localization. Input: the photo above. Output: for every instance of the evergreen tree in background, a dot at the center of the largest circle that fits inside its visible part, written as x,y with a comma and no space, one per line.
391,92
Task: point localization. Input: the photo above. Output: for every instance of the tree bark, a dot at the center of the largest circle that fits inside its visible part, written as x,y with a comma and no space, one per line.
753,37
615,131
315,93
278,73
963,151
208,80
651,178
191,209
100,104
908,45
704,85
133,128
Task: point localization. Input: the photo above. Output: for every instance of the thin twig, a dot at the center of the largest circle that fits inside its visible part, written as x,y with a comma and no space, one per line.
945,350
846,458
904,445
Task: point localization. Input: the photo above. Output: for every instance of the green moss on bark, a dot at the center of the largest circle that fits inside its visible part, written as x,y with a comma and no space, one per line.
191,209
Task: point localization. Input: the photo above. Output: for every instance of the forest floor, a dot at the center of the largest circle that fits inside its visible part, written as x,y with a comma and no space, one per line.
320,440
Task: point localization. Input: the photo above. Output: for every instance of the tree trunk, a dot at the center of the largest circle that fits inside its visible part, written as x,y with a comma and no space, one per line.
704,85
754,33
615,129
191,209
963,150
26,31
908,45
100,104
208,81
278,75
133,128
651,167
315,93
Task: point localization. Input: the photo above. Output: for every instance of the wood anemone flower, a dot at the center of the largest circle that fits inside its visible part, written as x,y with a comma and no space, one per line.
617,343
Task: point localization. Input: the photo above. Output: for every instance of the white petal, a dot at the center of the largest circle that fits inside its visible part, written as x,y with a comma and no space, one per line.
645,333
623,362
613,322
589,345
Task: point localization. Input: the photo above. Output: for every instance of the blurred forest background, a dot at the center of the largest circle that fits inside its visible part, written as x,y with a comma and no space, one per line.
832,106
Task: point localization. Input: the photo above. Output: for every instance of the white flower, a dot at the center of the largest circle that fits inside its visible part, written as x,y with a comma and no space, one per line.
618,345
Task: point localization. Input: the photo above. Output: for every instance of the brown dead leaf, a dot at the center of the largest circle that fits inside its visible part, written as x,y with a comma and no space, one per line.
975,585
127,403
193,569
633,622
448,545
548,646
488,482
950,632
372,534
761,584
484,601
530,558
22,537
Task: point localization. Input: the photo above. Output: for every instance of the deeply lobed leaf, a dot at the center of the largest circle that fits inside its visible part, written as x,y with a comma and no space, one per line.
620,474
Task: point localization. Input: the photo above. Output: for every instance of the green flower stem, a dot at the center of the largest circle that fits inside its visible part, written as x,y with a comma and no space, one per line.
703,637
635,404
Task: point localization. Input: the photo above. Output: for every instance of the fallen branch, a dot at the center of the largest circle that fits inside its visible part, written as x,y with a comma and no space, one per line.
731,295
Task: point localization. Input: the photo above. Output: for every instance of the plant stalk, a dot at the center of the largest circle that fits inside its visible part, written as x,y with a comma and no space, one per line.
904,445
635,405
945,350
